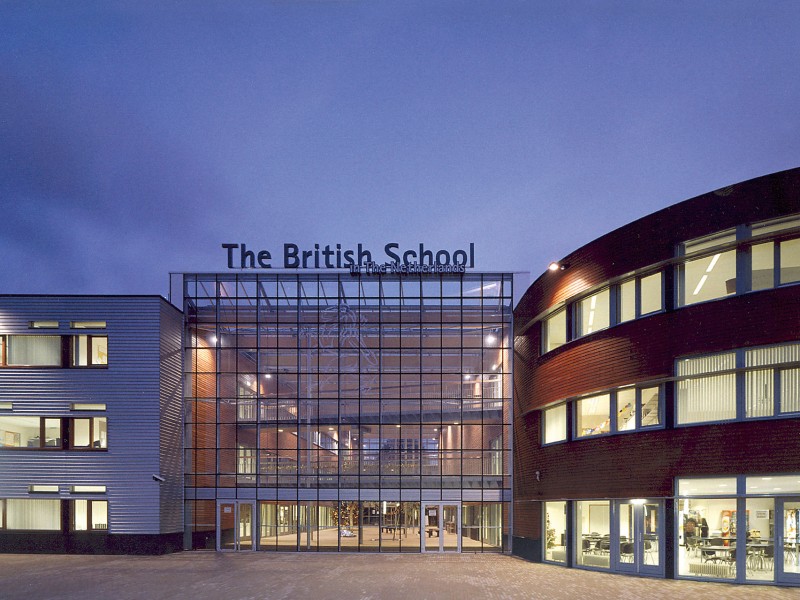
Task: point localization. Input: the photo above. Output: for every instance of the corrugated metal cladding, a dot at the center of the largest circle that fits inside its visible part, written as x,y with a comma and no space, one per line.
140,388
171,430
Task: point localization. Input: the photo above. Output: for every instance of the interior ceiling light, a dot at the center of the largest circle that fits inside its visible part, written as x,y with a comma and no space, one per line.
703,279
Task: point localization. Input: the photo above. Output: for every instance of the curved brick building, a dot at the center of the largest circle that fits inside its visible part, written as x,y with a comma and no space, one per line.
657,385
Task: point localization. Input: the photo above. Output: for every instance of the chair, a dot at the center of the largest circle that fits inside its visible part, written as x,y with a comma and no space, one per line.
586,546
730,559
626,552
768,556
710,555
649,551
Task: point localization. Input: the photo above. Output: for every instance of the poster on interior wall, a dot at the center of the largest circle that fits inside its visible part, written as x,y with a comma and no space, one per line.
726,523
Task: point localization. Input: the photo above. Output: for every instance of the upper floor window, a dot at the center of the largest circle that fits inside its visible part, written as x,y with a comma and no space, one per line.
30,432
48,433
783,254
53,351
554,331
593,313
87,324
772,384
640,296
555,424
739,384
715,268
712,274
33,350
593,415
708,392
89,350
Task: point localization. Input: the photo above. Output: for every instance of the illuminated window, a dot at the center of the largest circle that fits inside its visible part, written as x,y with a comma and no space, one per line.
593,313
554,331
89,350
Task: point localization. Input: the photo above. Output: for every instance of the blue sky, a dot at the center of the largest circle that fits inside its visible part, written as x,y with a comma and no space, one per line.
137,137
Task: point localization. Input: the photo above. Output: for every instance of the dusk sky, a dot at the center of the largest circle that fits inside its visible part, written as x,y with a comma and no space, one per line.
137,137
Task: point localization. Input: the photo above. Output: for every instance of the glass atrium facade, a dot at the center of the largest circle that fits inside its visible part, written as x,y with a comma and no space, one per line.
363,413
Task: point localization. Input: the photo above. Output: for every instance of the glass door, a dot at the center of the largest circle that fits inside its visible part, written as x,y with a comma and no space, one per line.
638,547
235,525
787,540
440,529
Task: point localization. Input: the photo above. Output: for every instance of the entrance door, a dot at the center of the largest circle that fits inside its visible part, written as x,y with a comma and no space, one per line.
440,527
640,537
235,525
787,540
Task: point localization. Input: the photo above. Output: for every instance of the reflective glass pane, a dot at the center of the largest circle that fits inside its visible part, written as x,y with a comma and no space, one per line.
593,533
763,264
790,261
651,294
555,531
627,300
594,313
593,415
708,278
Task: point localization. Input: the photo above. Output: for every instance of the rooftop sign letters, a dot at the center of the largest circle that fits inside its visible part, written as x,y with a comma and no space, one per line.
357,260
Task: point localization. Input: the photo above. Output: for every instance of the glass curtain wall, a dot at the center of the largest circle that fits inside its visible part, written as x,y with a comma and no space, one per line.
341,402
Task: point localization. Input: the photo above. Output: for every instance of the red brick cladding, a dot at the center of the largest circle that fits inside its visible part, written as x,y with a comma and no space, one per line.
646,348
653,238
644,464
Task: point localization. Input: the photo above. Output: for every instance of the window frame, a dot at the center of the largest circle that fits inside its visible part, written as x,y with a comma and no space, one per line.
66,433
740,372
90,529
566,431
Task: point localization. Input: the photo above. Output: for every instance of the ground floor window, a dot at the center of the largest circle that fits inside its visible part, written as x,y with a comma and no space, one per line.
32,514
739,528
351,525
90,515
555,531
593,528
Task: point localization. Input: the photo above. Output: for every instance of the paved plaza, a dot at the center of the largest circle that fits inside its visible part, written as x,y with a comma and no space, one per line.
210,575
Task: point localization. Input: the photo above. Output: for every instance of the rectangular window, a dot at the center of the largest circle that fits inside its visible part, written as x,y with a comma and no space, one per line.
29,432
626,409
760,384
86,406
594,313
555,531
90,515
707,278
650,402
43,325
703,396
555,424
87,324
43,489
651,294
33,351
88,489
593,415
790,261
89,350
593,532
33,515
627,301
89,433
554,331
762,260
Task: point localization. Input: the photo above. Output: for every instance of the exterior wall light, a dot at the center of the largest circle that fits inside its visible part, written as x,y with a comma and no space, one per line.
556,266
